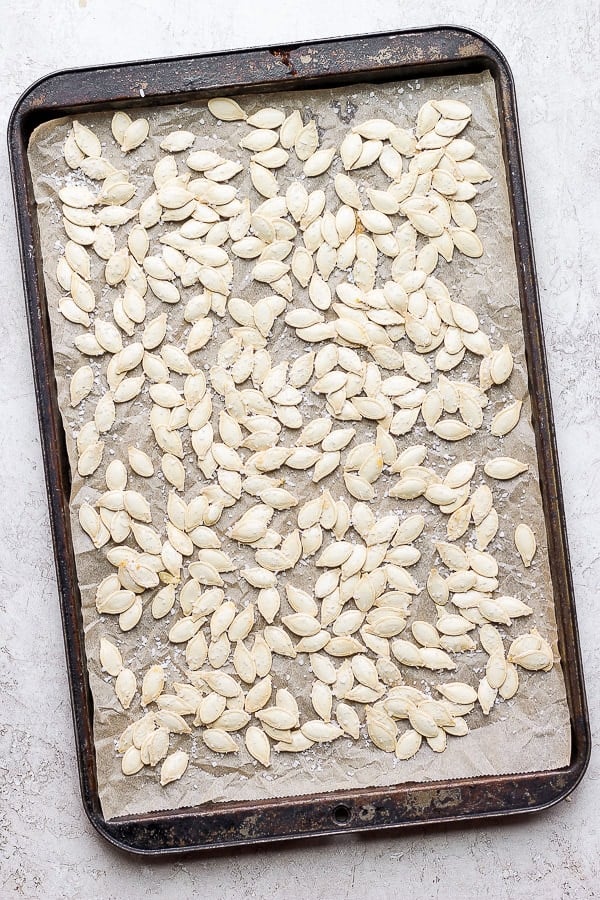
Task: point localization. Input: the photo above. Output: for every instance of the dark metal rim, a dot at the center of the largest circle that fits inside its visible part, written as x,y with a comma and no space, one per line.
491,52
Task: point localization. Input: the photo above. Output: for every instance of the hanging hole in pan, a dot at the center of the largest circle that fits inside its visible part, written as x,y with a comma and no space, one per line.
341,814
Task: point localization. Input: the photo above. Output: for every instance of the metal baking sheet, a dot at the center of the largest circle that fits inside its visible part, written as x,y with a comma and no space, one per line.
384,57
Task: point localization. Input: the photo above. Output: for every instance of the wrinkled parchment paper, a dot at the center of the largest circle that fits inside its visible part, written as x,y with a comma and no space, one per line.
530,732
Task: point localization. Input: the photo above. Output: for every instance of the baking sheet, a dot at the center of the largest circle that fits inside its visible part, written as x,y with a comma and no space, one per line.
529,733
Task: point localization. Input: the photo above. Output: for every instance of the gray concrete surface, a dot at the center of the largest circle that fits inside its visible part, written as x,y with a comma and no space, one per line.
47,848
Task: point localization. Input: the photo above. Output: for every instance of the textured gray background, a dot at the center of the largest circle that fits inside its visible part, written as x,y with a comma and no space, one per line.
48,850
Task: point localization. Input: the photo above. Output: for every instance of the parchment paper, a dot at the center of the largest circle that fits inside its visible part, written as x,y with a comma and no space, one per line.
530,732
